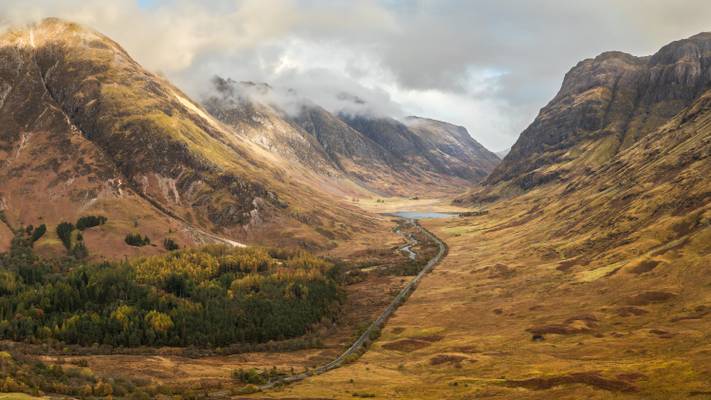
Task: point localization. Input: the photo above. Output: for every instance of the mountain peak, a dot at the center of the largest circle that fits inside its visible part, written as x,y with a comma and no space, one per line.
55,31
36,34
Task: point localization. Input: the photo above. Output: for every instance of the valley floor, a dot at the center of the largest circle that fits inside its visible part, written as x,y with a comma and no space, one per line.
503,317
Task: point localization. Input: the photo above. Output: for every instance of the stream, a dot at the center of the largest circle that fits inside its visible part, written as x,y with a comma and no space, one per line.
415,215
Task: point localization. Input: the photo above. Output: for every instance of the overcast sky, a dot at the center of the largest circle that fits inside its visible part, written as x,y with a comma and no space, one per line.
487,65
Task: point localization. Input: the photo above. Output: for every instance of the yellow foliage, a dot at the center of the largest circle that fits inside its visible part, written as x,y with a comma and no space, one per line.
198,266
122,314
103,389
247,283
159,322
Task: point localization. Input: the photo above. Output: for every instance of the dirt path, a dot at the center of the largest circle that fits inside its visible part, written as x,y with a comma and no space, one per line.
365,338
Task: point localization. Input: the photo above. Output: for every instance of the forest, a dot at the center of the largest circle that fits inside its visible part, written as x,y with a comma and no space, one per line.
209,296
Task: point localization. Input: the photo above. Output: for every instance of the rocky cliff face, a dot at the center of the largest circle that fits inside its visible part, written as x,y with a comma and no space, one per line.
604,106
428,146
359,157
464,157
340,140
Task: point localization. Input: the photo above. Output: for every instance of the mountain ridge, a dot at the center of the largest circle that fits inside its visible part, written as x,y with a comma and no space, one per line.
605,104
381,153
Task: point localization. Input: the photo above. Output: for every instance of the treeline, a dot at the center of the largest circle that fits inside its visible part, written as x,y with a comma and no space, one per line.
213,296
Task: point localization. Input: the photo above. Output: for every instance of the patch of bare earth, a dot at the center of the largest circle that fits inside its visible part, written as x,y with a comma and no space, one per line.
412,344
453,359
592,379
650,297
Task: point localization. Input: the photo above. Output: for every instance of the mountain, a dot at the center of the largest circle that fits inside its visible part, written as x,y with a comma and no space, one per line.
379,154
86,130
608,247
427,147
360,158
463,156
314,142
605,105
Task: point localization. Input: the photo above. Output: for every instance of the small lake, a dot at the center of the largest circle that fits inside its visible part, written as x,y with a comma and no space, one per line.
422,214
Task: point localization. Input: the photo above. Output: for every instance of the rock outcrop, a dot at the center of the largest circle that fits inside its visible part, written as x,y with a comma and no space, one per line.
604,106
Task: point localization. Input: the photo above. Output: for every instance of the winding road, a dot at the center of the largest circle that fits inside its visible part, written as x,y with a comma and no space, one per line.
364,339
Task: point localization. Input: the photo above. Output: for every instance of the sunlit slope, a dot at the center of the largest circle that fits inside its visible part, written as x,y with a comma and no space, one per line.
605,105
84,124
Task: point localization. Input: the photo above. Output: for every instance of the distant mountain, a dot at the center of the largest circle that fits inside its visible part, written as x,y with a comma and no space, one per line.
427,146
377,153
605,106
462,155
501,154
356,155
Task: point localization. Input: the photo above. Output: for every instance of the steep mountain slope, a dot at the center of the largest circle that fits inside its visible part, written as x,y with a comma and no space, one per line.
464,157
83,124
427,147
243,107
397,139
359,157
605,105
379,154
265,125
415,157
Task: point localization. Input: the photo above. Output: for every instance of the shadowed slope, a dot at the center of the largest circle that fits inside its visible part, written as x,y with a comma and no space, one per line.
377,154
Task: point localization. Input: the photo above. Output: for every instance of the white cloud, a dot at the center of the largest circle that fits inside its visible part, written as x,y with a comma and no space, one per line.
486,64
